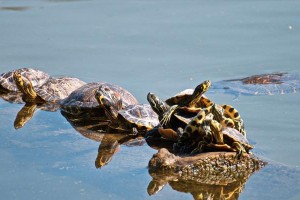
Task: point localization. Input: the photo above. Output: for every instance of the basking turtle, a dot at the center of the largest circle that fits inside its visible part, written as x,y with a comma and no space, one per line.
203,132
264,84
36,77
83,101
132,118
53,90
190,98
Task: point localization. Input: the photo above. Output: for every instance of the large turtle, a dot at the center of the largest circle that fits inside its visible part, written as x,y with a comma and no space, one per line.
82,100
53,90
264,84
36,77
132,118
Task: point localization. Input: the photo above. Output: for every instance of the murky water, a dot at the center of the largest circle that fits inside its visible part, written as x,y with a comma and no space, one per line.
144,46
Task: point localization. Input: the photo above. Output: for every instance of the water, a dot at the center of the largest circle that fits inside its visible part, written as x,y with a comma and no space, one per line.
157,46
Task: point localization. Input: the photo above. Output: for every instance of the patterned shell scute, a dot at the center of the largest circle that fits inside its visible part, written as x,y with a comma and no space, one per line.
56,89
83,97
141,115
179,97
235,135
126,96
36,77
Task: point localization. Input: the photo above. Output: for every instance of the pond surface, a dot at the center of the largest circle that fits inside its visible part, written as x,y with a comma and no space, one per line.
158,46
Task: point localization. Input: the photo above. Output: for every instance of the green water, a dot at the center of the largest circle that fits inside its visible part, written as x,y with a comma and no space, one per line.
157,46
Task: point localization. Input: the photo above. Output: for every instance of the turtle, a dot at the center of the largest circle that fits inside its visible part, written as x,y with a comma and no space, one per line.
179,118
203,132
133,118
82,101
36,77
53,90
192,101
263,84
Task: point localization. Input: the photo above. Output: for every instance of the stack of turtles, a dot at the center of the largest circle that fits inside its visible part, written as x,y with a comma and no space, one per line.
197,124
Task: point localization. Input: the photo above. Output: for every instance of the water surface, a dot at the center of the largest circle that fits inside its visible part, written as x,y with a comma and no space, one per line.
158,46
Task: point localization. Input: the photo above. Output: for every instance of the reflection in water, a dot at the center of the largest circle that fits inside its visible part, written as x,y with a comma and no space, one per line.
24,115
15,8
94,128
213,175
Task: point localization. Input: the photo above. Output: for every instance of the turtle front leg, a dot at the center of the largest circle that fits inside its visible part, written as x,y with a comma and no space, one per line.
239,149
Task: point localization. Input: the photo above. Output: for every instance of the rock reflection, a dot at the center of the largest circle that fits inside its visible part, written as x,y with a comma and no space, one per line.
213,175
94,128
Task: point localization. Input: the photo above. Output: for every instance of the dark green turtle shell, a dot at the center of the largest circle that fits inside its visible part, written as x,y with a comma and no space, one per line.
36,77
83,99
141,116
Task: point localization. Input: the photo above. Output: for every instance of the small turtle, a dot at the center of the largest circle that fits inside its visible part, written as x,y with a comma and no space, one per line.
36,77
53,90
203,132
190,98
264,84
132,118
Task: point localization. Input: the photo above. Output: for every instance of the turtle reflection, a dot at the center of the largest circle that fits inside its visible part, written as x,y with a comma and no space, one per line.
94,128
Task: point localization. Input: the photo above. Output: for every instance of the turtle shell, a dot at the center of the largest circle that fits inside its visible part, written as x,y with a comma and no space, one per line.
36,77
264,84
82,100
12,97
141,115
234,135
180,97
56,89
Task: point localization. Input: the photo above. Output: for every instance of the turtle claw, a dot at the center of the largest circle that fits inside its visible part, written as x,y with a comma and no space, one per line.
167,116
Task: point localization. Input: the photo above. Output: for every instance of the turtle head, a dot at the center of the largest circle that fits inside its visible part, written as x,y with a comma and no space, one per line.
25,86
199,90
157,105
203,87
18,80
109,100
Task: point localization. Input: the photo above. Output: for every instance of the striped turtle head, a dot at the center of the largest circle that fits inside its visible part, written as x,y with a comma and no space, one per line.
159,106
198,92
109,100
